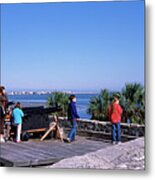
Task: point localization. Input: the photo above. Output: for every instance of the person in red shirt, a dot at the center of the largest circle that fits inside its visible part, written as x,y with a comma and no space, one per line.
115,112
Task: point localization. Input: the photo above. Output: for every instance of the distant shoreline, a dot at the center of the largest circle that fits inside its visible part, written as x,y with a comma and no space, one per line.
47,92
31,100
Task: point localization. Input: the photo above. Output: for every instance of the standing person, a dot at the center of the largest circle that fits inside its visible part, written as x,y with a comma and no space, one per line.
17,115
72,116
115,112
4,95
7,126
2,118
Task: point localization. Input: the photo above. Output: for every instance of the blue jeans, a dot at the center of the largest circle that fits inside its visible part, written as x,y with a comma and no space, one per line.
72,133
116,132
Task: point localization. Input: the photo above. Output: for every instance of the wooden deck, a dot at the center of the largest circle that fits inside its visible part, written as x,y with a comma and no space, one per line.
36,153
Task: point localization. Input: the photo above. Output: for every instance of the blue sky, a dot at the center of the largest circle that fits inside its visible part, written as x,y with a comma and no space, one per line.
84,46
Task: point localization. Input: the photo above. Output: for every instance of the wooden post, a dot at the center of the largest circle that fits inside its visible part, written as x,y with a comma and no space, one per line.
54,126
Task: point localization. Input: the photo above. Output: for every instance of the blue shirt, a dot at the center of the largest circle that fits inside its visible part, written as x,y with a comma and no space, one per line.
17,115
72,112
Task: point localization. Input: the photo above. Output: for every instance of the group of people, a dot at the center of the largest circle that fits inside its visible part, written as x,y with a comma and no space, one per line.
15,115
114,114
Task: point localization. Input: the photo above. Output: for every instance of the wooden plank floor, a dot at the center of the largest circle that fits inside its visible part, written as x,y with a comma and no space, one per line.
36,153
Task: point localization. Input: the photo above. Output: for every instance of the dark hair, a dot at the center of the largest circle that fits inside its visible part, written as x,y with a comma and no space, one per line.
1,90
3,87
71,97
18,105
117,95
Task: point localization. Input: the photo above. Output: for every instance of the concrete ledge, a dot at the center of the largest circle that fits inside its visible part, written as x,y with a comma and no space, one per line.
129,156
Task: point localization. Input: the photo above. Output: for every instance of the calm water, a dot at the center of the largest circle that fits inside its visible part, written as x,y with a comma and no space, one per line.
39,100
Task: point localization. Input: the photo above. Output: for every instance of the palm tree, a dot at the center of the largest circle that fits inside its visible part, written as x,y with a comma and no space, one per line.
59,99
94,109
98,105
134,103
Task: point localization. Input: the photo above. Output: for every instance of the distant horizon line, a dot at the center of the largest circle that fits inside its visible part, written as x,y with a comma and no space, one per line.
62,90
9,89
50,90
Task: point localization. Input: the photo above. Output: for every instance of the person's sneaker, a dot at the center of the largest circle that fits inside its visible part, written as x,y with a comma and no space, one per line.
119,142
2,140
18,141
68,140
114,142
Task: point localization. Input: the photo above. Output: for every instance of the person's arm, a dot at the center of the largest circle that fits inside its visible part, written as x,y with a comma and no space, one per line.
69,112
2,111
75,111
120,109
21,112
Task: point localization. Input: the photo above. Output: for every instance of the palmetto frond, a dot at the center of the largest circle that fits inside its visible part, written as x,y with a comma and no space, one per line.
59,99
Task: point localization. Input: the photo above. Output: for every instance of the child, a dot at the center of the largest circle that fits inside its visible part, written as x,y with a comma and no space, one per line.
115,112
17,116
72,116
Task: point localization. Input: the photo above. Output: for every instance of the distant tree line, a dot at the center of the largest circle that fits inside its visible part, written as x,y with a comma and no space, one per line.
132,100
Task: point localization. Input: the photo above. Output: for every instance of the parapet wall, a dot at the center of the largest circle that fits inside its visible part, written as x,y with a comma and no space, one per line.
98,129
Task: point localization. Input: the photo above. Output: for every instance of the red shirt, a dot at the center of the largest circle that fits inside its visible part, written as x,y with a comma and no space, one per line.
115,112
